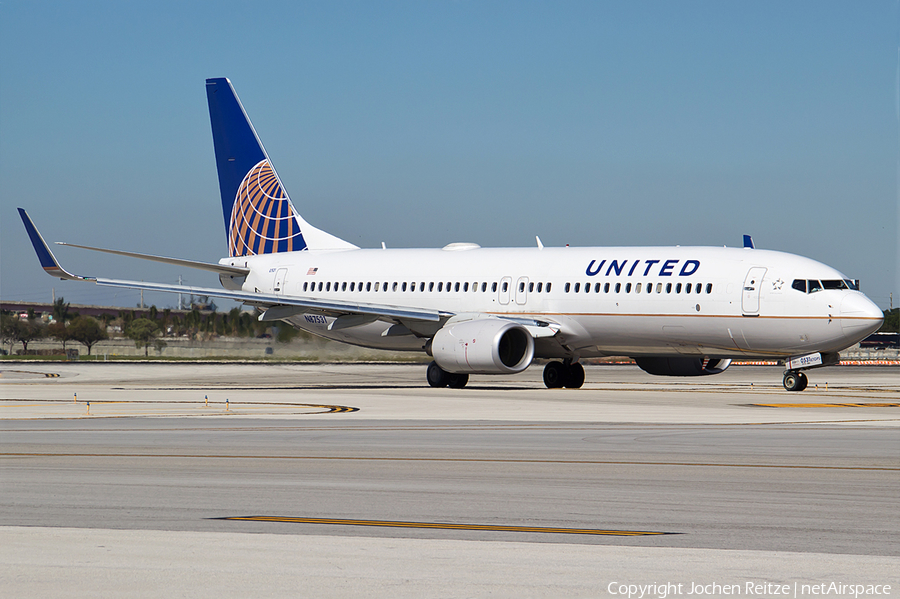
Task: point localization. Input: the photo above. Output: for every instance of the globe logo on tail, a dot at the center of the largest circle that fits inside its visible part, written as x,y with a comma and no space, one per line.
262,218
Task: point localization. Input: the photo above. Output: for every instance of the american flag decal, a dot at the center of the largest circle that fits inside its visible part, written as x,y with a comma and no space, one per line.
312,271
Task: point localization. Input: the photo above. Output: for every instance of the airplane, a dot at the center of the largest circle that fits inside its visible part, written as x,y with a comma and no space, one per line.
677,311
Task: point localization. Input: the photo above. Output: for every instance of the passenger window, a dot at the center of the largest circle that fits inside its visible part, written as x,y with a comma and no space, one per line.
606,288
659,288
668,287
352,286
369,286
678,288
328,286
577,287
483,287
422,286
548,287
627,287
637,288
431,286
304,286
539,287
530,287
494,287
403,288
440,286
567,288
456,287
618,287
587,287
708,288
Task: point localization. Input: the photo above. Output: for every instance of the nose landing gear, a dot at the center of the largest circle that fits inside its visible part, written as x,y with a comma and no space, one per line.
795,380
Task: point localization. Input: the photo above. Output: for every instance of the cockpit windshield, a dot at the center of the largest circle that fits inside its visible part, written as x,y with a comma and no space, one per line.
813,285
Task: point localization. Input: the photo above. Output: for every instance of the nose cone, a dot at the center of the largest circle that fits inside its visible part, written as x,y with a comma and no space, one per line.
860,317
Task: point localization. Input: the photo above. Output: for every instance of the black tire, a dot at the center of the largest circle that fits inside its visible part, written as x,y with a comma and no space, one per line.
554,375
574,376
795,381
437,376
457,381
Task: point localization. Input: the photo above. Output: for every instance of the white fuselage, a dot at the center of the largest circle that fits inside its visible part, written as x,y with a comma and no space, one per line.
693,301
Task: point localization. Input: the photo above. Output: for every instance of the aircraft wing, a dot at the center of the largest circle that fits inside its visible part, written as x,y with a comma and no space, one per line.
234,271
51,266
270,300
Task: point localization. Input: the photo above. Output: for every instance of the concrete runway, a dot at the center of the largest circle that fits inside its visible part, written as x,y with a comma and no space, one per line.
343,480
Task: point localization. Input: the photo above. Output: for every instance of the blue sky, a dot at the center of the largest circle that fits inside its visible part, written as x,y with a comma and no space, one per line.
423,123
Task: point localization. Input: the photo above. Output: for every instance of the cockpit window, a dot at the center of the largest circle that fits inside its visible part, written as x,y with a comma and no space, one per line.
813,285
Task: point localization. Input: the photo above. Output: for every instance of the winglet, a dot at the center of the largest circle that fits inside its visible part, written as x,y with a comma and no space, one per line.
748,242
48,261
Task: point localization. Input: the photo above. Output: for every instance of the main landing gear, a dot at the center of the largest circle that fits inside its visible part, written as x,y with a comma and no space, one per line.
795,380
563,374
438,377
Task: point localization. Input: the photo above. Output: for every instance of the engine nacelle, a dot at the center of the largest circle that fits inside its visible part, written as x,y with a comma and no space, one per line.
681,366
485,346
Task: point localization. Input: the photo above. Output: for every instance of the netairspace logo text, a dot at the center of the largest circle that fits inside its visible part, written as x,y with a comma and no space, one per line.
750,589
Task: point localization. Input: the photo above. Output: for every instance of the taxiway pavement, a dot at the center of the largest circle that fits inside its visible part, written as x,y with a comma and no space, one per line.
350,477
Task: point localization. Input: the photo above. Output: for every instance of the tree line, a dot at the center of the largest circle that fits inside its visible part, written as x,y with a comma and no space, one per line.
149,330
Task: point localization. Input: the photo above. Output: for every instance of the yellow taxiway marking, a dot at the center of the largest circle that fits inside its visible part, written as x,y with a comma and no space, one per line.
48,375
152,408
447,526
427,459
827,405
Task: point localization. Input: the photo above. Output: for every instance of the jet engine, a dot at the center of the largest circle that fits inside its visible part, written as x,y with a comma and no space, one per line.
682,366
484,346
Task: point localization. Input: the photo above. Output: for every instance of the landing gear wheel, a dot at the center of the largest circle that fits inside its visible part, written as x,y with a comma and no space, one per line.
457,381
574,376
437,376
554,375
795,380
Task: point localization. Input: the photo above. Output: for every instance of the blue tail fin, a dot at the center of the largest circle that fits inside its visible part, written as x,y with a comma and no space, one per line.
259,215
